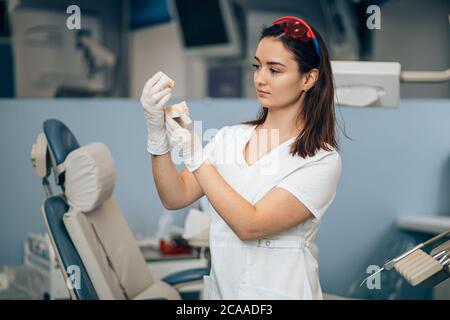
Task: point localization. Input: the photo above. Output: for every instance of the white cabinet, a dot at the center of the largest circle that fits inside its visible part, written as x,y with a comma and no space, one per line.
39,256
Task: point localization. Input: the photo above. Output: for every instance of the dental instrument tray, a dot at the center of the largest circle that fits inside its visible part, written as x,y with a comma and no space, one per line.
420,268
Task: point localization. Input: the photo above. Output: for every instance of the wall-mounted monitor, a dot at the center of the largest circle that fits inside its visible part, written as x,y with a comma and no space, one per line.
207,28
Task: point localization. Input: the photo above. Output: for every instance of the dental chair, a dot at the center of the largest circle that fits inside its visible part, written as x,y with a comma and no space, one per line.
96,251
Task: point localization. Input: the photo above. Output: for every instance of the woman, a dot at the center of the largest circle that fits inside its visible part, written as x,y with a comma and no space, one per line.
267,196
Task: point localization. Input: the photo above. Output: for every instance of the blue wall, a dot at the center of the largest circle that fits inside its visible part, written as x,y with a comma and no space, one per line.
397,163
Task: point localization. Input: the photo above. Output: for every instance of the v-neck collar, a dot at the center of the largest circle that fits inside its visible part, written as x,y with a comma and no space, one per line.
267,154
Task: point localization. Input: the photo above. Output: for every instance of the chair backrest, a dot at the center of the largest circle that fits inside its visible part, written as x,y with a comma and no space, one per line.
97,227
77,279
50,152
89,235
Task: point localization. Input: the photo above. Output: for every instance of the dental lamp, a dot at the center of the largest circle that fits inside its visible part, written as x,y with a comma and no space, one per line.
369,83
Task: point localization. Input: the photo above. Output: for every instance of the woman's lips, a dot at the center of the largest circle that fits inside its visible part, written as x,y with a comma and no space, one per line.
262,93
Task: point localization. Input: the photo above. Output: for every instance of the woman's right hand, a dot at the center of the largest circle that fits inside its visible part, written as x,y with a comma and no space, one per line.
155,94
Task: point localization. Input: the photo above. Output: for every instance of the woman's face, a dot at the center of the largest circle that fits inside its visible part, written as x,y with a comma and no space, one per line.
276,74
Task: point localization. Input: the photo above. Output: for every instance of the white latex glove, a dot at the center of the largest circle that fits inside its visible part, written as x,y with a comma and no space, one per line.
154,95
186,141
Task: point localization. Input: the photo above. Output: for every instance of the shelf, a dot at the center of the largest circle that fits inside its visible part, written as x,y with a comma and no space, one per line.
428,224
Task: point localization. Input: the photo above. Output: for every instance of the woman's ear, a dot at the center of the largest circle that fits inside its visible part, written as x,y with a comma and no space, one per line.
310,79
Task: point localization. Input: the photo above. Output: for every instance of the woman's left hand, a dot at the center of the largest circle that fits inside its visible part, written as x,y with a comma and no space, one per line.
186,141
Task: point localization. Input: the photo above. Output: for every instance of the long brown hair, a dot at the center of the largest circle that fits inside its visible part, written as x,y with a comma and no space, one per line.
318,111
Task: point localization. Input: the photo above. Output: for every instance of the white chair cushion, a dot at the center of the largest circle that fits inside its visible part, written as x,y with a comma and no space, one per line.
113,236
90,176
159,289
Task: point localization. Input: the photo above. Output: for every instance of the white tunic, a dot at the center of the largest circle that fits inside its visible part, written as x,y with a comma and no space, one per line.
282,266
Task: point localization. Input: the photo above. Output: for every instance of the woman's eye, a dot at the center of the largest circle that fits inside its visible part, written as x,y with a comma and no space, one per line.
273,71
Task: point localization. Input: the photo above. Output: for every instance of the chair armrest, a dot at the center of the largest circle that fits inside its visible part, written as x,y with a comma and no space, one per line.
185,276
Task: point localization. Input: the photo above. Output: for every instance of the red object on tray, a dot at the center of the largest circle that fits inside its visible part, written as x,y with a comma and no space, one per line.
173,247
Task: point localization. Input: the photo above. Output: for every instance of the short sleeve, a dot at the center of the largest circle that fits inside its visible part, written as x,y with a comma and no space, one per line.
314,185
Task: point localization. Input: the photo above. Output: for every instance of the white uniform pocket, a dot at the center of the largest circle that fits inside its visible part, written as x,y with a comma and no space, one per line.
281,268
279,243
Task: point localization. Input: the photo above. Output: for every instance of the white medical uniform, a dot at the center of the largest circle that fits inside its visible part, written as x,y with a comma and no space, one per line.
282,266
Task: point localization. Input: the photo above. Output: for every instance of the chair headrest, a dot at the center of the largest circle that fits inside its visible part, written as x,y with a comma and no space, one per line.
90,176
40,157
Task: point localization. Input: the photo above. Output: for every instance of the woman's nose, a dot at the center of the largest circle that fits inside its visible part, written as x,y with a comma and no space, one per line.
260,79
